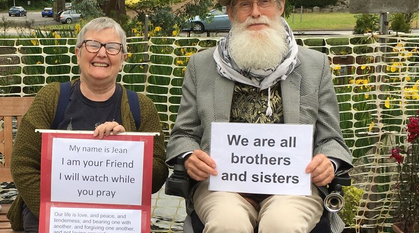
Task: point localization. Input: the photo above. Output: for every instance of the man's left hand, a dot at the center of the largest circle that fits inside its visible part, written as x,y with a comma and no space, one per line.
321,169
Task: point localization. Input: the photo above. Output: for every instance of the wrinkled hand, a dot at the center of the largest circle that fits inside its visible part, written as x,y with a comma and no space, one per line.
321,169
200,166
107,128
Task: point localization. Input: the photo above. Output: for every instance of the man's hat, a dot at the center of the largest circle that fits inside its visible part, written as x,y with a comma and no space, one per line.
224,2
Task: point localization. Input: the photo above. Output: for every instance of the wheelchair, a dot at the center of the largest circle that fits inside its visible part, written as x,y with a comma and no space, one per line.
179,184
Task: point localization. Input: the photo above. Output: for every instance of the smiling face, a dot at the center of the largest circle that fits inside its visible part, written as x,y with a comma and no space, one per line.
100,66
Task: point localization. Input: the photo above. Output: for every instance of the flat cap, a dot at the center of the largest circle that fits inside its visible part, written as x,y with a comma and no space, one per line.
224,2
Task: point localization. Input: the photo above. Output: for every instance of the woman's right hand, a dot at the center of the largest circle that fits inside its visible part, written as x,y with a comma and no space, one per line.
105,129
199,165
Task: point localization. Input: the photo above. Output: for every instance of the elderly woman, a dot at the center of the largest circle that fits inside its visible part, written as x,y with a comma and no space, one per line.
96,103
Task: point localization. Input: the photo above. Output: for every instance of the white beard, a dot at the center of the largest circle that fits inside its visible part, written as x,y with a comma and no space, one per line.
259,49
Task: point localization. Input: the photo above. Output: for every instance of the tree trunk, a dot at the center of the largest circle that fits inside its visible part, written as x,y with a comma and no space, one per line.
114,9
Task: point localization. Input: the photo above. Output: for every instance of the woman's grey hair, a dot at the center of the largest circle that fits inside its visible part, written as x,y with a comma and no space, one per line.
100,24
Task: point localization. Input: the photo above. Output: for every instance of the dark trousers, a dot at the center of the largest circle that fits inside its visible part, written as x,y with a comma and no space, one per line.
30,221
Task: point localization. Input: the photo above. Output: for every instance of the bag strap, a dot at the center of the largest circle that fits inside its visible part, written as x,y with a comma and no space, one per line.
63,100
134,105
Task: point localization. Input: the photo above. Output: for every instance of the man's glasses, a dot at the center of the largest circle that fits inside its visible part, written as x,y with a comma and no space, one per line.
112,48
247,5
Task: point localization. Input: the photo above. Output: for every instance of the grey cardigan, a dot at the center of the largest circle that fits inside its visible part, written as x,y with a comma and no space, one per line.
206,98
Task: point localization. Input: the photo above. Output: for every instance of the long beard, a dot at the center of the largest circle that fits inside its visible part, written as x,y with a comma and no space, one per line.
259,49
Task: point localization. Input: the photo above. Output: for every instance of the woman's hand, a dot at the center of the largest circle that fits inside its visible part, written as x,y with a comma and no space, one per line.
107,128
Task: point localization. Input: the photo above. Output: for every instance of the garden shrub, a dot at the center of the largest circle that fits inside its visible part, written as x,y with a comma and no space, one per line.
366,23
398,23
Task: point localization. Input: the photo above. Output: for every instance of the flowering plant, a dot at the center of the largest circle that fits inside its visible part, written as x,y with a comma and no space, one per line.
406,215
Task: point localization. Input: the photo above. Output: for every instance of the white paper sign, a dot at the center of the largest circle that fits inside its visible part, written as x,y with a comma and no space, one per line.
90,171
88,220
261,158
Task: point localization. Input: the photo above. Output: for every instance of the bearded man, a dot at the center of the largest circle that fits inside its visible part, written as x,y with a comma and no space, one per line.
258,74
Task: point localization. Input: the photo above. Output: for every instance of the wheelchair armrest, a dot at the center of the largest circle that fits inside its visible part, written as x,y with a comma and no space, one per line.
178,183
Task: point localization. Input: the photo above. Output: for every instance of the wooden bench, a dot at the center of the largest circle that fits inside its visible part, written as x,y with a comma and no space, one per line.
10,108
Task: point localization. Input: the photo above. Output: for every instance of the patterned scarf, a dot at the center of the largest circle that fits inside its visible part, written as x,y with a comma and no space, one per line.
262,78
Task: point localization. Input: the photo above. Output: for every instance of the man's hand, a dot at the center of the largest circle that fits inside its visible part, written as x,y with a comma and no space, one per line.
321,169
200,165
106,128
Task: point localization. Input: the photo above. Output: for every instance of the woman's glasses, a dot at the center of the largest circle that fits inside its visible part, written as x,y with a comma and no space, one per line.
112,48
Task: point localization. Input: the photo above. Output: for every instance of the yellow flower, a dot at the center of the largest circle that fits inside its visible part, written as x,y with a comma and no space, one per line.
367,96
77,28
365,82
38,62
175,33
408,78
180,63
56,61
134,30
399,47
337,67
387,102
371,126
35,42
393,68
363,67
157,29
129,55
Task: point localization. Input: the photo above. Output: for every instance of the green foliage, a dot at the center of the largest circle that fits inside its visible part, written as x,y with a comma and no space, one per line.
399,23
352,196
312,3
366,23
4,5
165,19
34,4
160,12
89,8
288,9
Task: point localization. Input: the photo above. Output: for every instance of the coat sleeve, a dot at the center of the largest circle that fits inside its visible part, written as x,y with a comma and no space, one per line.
150,122
187,132
26,154
328,137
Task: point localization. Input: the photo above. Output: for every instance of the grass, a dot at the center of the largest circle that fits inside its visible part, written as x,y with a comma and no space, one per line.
322,21
328,21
